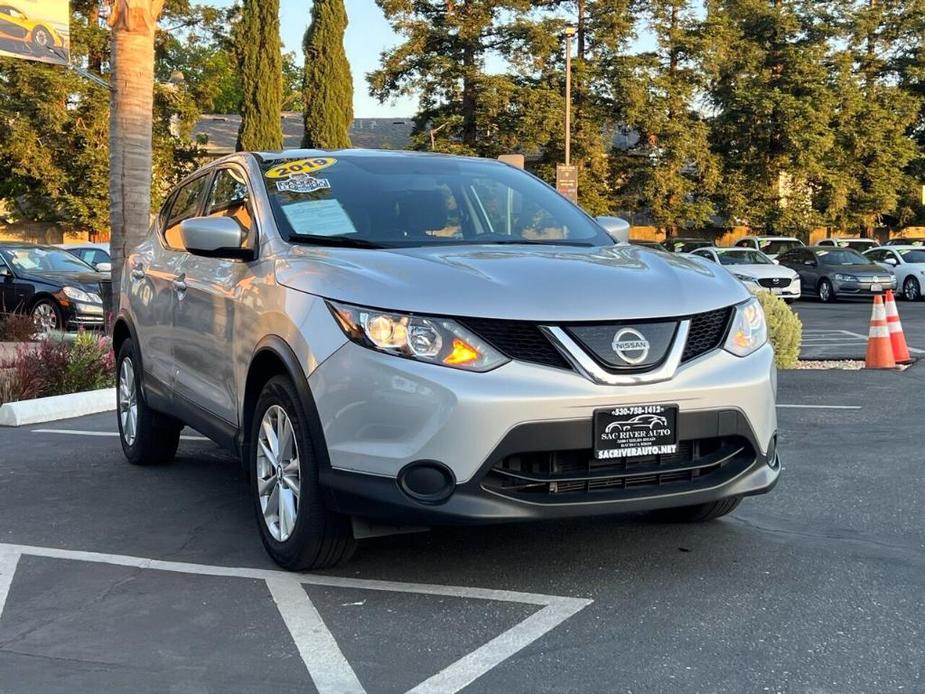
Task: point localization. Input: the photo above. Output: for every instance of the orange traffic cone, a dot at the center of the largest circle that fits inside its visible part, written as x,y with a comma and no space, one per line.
879,349
897,337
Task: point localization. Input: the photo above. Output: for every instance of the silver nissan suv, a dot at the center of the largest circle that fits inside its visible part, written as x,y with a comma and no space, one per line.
399,340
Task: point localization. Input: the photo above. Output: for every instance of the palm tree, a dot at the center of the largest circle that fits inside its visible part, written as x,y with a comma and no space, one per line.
133,24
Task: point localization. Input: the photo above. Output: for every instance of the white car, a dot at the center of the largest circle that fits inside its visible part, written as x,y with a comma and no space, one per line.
857,244
95,254
756,270
771,246
908,263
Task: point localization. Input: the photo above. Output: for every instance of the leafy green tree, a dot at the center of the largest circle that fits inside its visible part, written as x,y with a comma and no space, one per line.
328,86
258,49
769,88
677,172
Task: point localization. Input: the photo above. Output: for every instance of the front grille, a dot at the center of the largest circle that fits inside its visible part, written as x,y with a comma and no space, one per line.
518,340
773,282
569,476
707,332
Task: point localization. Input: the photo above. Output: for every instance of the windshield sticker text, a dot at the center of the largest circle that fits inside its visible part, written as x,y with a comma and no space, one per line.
303,183
301,166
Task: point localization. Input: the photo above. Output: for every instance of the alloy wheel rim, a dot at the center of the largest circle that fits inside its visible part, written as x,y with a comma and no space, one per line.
128,402
824,291
41,38
44,318
911,290
279,477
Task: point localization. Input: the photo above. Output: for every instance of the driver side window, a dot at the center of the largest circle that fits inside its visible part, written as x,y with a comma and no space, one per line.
230,198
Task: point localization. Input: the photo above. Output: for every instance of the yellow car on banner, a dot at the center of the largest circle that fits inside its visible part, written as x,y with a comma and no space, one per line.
35,30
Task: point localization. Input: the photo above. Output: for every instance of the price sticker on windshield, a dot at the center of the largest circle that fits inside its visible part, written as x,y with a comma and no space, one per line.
300,166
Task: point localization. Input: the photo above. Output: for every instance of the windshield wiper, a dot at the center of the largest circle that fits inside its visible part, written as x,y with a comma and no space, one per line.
341,241
528,242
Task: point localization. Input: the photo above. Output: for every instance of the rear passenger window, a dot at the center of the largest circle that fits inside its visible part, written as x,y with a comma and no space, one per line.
185,205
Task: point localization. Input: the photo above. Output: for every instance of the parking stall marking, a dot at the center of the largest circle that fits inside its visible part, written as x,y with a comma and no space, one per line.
821,407
324,661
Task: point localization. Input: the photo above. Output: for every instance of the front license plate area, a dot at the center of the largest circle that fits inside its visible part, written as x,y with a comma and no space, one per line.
876,287
635,430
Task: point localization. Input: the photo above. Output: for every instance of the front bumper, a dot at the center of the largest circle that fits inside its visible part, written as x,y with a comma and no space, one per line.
83,315
380,413
862,288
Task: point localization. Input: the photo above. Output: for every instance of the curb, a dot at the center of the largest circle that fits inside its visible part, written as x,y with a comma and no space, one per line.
17,414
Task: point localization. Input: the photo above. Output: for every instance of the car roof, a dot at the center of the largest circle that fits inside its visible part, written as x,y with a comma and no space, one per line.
900,247
357,153
771,238
27,244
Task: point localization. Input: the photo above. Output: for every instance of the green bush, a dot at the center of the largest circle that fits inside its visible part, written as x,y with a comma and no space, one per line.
784,329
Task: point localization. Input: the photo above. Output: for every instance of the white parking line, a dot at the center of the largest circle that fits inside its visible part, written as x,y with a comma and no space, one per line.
821,407
323,658
79,432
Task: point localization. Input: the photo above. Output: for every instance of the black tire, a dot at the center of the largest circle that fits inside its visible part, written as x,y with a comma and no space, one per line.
912,290
41,39
320,538
826,292
45,304
157,435
700,512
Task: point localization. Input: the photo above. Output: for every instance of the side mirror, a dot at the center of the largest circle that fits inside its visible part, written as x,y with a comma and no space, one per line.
5,272
214,237
891,261
775,261
617,227
103,267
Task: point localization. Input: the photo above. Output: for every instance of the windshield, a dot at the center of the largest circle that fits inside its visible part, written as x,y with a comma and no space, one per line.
38,259
743,257
913,255
841,256
858,245
777,247
397,201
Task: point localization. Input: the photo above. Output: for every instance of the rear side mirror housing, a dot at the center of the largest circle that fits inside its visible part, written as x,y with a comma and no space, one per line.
215,237
5,272
103,267
775,261
616,227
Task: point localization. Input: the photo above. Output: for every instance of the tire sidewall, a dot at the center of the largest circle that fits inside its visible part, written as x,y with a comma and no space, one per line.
127,351
279,391
830,295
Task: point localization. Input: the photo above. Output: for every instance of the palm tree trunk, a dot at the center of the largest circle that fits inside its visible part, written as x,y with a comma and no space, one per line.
133,25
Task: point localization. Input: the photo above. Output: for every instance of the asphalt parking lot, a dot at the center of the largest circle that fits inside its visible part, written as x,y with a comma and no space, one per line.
839,330
122,579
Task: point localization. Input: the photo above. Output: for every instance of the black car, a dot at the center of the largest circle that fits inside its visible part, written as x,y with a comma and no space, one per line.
57,289
831,273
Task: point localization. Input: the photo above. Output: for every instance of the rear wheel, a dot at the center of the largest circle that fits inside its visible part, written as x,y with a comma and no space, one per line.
912,290
297,530
700,512
147,437
826,292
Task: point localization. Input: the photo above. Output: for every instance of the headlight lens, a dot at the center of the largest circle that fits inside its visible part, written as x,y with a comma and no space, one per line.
845,278
433,340
749,329
80,295
746,278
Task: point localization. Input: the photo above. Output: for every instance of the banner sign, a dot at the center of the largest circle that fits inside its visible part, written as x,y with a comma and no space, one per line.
35,30
567,181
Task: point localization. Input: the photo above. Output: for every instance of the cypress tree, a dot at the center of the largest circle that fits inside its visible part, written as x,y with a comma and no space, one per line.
328,85
258,48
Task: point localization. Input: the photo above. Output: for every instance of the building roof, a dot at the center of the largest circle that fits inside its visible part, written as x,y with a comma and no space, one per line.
218,133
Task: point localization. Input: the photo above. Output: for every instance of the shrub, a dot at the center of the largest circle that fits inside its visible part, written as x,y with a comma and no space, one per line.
16,327
56,367
784,328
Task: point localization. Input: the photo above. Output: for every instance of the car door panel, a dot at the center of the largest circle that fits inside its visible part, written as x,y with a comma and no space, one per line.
206,314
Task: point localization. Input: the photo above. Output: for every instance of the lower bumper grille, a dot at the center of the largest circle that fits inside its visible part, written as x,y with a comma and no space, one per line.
574,475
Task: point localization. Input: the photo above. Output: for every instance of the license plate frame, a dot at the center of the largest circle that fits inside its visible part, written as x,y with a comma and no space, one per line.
626,431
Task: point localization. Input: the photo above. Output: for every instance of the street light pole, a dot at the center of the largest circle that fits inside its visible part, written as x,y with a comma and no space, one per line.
569,33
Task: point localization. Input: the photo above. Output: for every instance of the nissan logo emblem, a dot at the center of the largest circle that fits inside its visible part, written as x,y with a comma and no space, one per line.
631,346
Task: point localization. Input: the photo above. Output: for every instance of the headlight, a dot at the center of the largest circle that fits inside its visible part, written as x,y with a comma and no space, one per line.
845,278
433,340
749,329
746,278
80,295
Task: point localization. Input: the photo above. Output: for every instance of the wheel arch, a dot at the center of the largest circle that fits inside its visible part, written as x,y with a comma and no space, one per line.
274,357
122,330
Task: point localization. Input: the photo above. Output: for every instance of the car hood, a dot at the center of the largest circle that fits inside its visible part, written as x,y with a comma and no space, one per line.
861,270
762,271
81,280
535,283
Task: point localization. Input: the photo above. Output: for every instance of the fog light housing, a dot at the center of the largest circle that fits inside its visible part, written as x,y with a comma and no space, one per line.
427,481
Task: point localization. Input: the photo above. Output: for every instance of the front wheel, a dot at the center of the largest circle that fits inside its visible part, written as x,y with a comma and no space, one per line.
41,38
826,292
296,528
912,290
700,512
46,316
148,437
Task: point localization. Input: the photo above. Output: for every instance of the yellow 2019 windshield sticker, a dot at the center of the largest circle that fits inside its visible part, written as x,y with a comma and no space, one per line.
301,166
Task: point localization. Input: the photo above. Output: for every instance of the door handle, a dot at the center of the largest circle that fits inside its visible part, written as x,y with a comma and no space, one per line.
138,271
179,285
